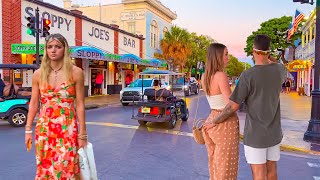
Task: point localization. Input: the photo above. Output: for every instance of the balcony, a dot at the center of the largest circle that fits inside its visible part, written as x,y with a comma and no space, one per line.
305,52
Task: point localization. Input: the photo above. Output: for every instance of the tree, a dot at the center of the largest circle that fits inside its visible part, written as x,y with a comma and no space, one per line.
277,30
199,45
235,67
176,46
246,65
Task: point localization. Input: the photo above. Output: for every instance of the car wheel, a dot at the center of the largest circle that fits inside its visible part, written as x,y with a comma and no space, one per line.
142,122
185,116
173,121
18,118
125,104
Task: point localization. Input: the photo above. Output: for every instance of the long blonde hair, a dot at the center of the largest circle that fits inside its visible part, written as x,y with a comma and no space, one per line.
214,64
67,66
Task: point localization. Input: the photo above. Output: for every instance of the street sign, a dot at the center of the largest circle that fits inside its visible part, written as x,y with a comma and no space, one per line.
25,48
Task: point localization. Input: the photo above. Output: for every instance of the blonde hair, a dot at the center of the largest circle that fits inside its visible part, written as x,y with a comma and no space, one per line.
67,66
214,64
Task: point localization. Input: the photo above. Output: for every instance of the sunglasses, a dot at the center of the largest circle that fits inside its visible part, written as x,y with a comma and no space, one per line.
57,36
260,52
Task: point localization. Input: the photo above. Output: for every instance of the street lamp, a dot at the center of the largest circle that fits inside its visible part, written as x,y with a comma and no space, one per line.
313,132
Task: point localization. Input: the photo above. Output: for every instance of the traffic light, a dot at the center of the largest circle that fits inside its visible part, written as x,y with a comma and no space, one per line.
31,26
45,27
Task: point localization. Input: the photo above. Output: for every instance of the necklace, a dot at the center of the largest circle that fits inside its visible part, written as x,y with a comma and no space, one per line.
56,74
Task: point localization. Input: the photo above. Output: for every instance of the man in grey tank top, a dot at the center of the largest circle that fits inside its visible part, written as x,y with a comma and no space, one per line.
259,88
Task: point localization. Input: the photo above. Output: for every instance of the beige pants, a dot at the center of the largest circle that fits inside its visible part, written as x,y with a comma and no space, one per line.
222,142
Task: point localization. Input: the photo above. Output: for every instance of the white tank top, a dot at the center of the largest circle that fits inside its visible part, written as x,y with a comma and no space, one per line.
216,101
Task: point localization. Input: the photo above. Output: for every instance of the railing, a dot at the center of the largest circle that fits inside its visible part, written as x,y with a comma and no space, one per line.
305,52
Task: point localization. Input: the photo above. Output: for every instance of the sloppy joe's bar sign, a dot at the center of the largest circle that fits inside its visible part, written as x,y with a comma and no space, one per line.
98,36
60,22
128,44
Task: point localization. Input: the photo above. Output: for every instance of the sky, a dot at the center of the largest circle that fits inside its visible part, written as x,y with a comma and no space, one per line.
228,21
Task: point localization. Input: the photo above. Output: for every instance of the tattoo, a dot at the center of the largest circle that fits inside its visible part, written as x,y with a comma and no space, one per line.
224,115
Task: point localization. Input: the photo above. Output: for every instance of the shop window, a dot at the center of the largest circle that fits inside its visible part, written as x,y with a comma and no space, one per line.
154,35
132,27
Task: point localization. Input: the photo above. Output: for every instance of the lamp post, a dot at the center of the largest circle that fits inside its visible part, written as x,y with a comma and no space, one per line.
313,132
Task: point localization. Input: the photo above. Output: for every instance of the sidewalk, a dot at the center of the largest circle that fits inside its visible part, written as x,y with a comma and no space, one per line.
101,101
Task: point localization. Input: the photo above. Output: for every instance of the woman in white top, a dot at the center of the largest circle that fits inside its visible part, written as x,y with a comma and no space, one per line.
222,140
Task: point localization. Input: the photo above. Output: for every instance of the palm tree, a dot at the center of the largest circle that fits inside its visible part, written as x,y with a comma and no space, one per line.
175,46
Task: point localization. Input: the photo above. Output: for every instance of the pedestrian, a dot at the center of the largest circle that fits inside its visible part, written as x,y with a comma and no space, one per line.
236,81
60,87
259,87
128,80
99,80
288,86
2,85
222,140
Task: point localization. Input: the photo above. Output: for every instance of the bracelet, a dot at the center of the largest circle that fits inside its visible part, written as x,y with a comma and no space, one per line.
83,138
28,126
28,132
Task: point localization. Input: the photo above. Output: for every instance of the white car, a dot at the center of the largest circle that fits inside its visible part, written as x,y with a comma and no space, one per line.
135,91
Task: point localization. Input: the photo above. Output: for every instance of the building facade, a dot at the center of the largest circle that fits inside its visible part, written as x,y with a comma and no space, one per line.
94,46
304,55
149,18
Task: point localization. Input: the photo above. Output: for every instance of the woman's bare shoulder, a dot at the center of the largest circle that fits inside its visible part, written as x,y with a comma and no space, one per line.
220,75
77,72
37,74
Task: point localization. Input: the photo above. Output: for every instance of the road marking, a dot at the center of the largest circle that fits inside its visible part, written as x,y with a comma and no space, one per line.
316,177
144,128
313,165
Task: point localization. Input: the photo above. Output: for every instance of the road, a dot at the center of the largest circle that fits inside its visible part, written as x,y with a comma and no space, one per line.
125,150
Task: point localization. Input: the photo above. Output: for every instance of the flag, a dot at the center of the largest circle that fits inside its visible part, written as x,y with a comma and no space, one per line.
290,31
297,19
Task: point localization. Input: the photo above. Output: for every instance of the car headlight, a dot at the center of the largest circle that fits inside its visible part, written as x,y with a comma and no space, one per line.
168,87
121,92
185,87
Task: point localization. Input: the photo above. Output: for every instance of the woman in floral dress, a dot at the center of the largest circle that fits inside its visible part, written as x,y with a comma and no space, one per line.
59,85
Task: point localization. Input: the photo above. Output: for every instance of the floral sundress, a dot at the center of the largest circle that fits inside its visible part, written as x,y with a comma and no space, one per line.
56,134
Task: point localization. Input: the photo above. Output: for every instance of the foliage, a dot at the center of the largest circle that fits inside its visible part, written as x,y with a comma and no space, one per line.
276,29
235,67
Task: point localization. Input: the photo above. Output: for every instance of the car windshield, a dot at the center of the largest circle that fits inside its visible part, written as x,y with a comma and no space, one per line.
138,83
178,81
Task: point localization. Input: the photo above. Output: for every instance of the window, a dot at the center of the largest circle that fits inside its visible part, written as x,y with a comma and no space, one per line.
154,35
132,27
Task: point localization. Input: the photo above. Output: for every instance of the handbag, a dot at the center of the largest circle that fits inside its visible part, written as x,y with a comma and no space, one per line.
197,127
87,163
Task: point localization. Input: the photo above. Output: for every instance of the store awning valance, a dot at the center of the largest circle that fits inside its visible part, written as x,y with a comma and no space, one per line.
298,65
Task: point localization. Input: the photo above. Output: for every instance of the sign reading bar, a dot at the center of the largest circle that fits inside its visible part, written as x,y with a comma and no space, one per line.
26,48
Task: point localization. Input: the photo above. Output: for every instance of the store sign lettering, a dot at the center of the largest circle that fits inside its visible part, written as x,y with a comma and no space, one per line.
99,33
26,48
129,42
55,20
89,55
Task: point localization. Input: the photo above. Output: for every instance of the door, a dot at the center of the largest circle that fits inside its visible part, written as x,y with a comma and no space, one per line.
104,83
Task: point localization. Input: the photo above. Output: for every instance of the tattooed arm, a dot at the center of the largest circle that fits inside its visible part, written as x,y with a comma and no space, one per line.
228,111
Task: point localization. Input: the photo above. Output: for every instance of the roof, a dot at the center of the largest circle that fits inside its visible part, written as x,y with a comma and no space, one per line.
156,71
18,66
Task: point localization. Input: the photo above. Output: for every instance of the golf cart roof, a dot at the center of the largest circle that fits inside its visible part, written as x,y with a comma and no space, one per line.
18,66
156,71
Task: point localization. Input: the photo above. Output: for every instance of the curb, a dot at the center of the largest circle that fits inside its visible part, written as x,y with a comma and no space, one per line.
288,148
95,106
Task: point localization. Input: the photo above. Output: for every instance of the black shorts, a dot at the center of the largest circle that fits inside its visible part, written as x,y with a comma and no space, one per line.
98,86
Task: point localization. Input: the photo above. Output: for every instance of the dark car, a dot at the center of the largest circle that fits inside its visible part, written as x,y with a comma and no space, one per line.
190,85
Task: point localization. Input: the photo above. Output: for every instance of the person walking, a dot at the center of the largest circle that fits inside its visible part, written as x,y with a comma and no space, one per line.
288,86
222,140
59,85
259,87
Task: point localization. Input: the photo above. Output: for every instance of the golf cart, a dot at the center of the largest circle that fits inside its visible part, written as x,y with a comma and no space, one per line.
162,104
14,104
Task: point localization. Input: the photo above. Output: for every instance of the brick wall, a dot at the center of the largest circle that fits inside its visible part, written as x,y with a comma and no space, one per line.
116,42
11,31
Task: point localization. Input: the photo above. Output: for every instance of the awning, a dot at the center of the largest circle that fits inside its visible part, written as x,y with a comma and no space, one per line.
87,52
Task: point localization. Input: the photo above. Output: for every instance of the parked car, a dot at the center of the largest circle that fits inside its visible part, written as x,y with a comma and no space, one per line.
134,91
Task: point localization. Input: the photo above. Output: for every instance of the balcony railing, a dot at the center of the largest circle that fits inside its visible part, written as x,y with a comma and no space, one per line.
305,52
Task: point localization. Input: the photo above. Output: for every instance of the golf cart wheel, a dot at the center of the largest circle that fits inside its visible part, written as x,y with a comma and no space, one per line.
142,122
18,118
125,104
197,91
185,116
173,121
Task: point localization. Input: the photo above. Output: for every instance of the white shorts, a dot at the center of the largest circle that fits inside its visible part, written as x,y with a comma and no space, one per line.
261,155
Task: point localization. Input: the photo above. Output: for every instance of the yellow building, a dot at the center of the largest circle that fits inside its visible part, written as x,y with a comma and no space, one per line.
149,18
305,56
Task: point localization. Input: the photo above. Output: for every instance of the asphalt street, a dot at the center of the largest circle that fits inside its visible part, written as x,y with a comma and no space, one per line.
125,150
